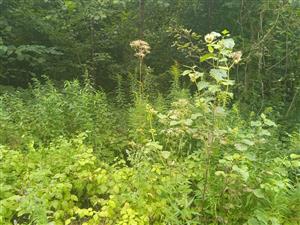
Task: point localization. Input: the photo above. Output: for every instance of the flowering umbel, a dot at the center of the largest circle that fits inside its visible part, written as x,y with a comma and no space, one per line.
142,48
236,56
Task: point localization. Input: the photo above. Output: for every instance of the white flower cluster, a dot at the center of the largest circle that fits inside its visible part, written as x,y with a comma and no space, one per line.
209,38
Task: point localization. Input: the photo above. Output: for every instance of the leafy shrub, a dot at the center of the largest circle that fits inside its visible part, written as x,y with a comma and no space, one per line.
44,113
52,188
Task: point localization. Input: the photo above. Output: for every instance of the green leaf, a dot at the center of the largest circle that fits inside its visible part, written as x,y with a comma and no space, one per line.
220,173
165,154
210,49
195,116
224,32
270,123
174,123
241,147
255,123
202,85
188,122
186,72
258,193
207,56
253,221
228,43
228,82
295,156
218,74
243,171
248,142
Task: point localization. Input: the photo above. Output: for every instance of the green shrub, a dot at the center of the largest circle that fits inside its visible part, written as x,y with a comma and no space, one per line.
45,112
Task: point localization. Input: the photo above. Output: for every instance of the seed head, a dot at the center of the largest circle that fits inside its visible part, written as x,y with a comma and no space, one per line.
141,48
236,56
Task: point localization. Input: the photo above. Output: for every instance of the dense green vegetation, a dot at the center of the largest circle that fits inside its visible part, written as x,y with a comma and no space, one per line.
136,112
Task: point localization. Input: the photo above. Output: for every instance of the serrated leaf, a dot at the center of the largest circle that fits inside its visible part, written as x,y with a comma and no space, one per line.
218,74
174,123
258,193
220,173
295,156
248,142
188,122
241,147
207,56
270,123
195,116
165,154
255,123
202,85
229,43
186,72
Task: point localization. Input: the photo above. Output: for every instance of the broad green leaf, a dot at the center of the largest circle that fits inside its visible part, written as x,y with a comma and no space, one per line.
295,156
220,173
224,32
186,72
229,43
270,123
195,116
207,56
202,85
218,74
255,123
188,122
228,82
210,49
258,193
165,154
241,147
174,123
248,142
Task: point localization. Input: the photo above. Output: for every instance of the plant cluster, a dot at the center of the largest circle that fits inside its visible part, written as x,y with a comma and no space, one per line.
189,158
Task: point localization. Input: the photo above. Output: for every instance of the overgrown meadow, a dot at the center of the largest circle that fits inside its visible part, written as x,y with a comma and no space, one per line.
71,154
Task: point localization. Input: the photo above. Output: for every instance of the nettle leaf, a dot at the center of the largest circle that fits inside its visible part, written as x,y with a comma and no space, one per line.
270,123
188,122
253,221
195,116
241,147
186,72
218,74
3,49
202,85
210,49
220,173
165,154
296,163
174,123
248,142
225,32
295,156
258,193
255,123
219,111
228,82
229,43
207,56
264,132
214,88
243,171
